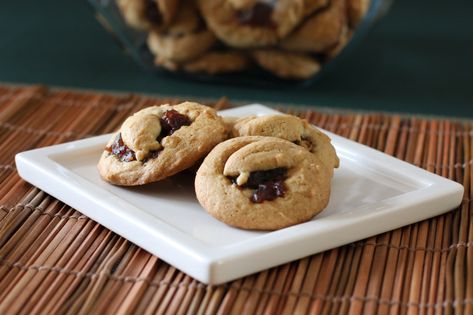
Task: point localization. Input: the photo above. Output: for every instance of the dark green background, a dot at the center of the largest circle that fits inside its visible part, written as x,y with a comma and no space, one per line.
418,59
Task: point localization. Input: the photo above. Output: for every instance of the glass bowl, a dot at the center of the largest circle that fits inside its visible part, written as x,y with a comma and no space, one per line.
134,43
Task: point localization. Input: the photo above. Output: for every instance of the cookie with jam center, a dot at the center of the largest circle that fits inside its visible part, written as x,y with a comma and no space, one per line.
251,23
291,128
160,141
262,183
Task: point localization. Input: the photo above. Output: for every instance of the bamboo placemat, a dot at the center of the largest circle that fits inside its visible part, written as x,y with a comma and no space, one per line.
53,259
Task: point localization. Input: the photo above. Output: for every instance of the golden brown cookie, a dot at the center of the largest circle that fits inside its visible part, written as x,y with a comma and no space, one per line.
159,141
146,14
212,62
251,23
218,62
262,183
291,128
287,65
320,32
180,48
357,10
184,39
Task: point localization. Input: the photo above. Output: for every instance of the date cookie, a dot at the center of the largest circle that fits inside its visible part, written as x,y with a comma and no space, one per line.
159,141
251,23
212,62
262,183
182,47
320,32
287,65
218,62
184,39
291,128
147,14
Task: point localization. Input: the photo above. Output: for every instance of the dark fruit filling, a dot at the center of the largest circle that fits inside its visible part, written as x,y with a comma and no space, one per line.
260,177
171,121
267,185
119,148
152,12
268,191
258,16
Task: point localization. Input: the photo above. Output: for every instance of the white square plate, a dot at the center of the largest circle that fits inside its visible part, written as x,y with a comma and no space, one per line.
371,193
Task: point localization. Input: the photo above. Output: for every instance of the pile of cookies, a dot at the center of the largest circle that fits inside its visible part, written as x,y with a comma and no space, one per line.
288,38
259,173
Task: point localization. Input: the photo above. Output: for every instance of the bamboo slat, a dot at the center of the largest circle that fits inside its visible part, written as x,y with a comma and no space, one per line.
54,260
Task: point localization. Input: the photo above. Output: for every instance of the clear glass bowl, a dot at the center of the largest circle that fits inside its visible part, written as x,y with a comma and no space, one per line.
135,45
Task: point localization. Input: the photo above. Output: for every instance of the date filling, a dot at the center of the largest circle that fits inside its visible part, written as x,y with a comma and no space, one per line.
171,121
257,16
266,185
120,150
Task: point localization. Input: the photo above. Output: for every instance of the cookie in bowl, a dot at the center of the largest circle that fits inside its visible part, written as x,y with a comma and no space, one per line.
159,141
320,31
186,38
213,62
180,48
286,65
251,23
262,183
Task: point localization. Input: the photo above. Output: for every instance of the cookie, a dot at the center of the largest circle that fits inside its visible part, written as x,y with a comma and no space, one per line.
180,48
147,14
218,62
184,39
287,65
357,10
251,23
291,128
159,141
319,32
212,62
262,183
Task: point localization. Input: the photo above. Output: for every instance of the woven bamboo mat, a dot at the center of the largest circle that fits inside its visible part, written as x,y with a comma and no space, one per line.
53,259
